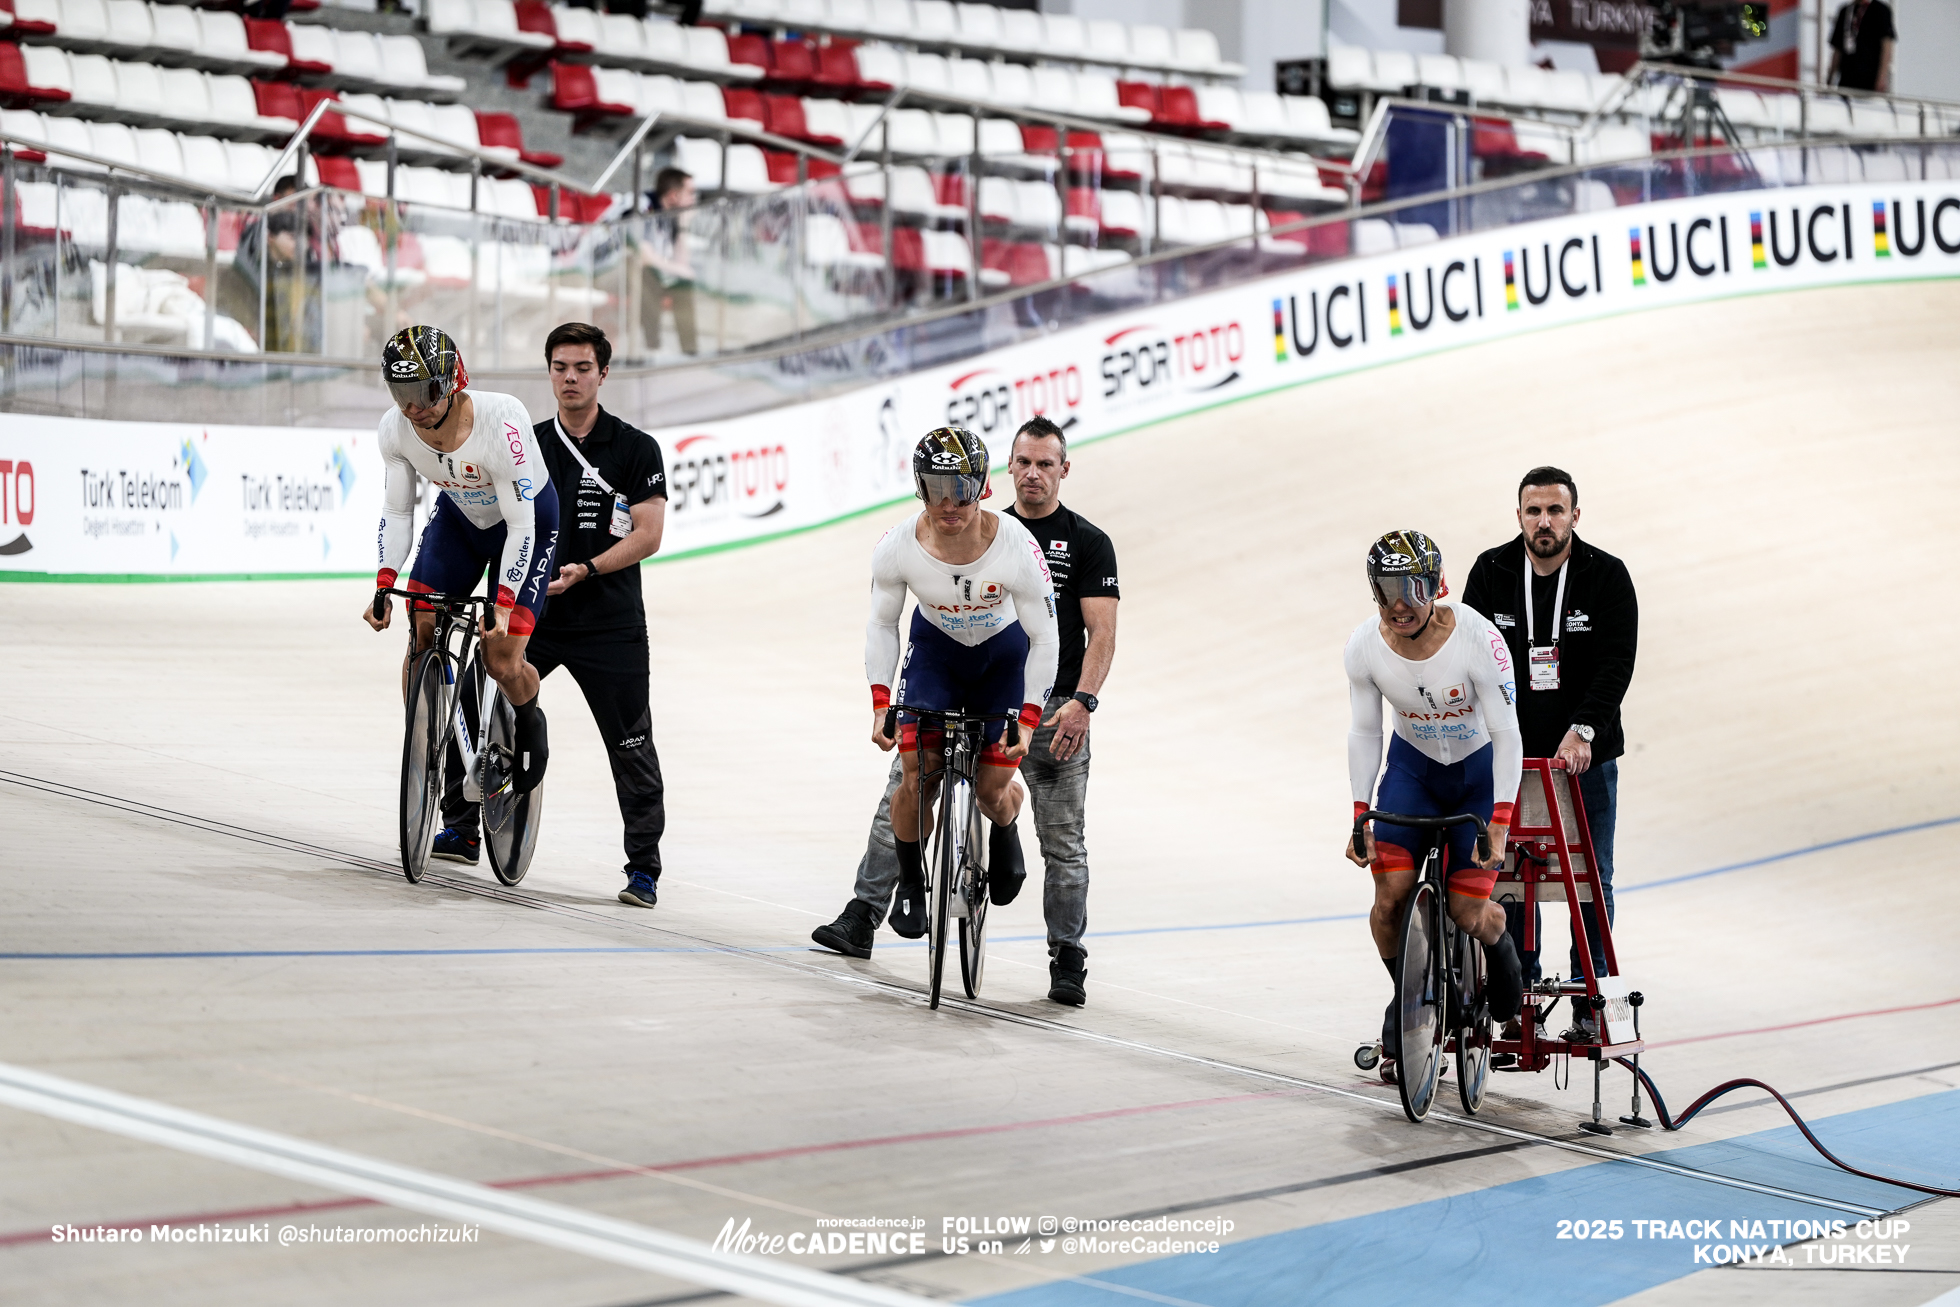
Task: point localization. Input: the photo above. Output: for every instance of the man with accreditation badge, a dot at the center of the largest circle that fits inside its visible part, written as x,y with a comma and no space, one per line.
612,484
1567,612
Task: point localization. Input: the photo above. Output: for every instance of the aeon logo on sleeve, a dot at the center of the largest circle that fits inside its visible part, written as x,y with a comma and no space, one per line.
709,477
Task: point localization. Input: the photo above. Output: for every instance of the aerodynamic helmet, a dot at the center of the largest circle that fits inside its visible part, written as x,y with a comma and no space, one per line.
1406,565
951,463
421,365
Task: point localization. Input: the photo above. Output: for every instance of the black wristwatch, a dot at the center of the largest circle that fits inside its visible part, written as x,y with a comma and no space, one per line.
1086,699
590,569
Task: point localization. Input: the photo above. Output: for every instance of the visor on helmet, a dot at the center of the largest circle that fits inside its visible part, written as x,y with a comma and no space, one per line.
1413,589
422,392
962,489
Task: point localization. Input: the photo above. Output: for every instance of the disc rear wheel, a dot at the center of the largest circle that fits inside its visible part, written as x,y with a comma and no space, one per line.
1472,1022
510,820
1419,1003
423,749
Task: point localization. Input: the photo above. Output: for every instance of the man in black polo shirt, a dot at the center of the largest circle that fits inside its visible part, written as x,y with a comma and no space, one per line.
612,492
1862,40
1572,637
1082,563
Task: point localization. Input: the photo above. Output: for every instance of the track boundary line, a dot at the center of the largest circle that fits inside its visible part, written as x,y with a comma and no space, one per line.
916,996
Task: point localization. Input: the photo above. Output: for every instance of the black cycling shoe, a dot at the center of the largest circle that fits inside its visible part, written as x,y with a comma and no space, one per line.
1005,870
527,772
1388,1026
1504,981
851,934
1068,976
909,908
454,845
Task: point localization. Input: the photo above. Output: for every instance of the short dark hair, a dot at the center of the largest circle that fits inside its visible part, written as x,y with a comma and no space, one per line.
1549,476
579,333
1041,428
669,180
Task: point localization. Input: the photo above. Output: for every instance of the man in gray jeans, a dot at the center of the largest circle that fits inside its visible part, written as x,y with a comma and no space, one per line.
1083,564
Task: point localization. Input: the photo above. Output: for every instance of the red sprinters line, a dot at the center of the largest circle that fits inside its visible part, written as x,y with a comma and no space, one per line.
1794,1025
44,1235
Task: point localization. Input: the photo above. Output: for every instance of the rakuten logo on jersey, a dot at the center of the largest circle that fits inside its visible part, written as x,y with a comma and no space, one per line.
991,400
708,478
1145,362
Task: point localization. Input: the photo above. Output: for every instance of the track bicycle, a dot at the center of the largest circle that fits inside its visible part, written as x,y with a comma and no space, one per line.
1441,1003
450,695
956,872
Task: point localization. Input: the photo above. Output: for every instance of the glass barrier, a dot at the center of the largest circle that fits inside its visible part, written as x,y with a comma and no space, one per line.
728,307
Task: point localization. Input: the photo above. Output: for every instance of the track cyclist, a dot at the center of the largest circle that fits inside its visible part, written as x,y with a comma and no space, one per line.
497,507
1446,673
984,640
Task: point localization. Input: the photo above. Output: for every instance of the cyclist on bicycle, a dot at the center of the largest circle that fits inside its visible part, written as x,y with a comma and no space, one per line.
984,640
1447,674
497,507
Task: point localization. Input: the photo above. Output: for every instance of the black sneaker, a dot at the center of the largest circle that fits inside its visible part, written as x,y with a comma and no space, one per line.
851,934
453,845
909,908
1005,872
641,891
1068,976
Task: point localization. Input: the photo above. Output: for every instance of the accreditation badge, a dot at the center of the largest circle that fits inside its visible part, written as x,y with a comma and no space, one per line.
622,517
1543,661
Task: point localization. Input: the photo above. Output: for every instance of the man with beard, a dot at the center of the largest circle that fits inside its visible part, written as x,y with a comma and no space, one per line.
1567,610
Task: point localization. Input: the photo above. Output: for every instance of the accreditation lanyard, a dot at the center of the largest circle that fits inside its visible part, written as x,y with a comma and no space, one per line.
1543,660
622,515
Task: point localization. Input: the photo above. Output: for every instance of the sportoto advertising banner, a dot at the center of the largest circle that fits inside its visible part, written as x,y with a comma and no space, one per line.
795,467
141,499
155,499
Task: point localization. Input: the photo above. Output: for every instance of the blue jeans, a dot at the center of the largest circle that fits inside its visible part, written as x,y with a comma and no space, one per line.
1599,791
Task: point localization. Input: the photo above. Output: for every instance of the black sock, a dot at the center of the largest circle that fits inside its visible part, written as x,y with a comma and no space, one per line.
1390,964
911,867
527,713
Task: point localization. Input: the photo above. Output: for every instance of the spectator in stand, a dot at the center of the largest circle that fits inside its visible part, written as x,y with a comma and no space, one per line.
271,243
666,275
1861,46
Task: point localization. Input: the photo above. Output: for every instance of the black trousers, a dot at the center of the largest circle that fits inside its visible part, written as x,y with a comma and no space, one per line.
611,670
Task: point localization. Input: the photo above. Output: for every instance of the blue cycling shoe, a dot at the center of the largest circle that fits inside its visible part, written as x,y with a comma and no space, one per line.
453,845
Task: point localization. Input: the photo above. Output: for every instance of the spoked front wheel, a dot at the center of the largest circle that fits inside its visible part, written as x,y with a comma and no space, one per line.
973,926
1472,1022
949,851
1419,995
510,820
423,748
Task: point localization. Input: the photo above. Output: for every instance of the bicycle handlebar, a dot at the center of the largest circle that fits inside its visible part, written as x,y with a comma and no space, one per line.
1421,823
429,597
947,717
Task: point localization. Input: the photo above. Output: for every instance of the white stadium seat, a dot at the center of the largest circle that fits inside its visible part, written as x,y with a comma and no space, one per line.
1108,41
1483,79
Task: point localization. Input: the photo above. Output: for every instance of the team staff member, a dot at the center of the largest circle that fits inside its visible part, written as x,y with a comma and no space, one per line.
1572,636
612,484
1083,564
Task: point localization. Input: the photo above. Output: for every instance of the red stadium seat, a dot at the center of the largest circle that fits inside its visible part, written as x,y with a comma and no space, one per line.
793,61
573,206
1085,202
783,115
273,38
278,100
748,48
1141,95
740,102
1181,110
575,90
949,188
837,67
908,250
332,127
501,131
1036,139
14,90
782,167
1022,261
535,16
338,170
27,26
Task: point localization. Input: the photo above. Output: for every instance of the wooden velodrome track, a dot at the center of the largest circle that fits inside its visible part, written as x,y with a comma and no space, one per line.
1779,473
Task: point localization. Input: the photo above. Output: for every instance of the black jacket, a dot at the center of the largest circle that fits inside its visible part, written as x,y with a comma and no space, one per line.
1601,625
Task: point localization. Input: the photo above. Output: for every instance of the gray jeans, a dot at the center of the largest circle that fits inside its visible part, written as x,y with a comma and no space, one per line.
1058,793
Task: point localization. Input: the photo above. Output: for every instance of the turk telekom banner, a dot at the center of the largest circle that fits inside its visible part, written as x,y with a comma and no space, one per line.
125,498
